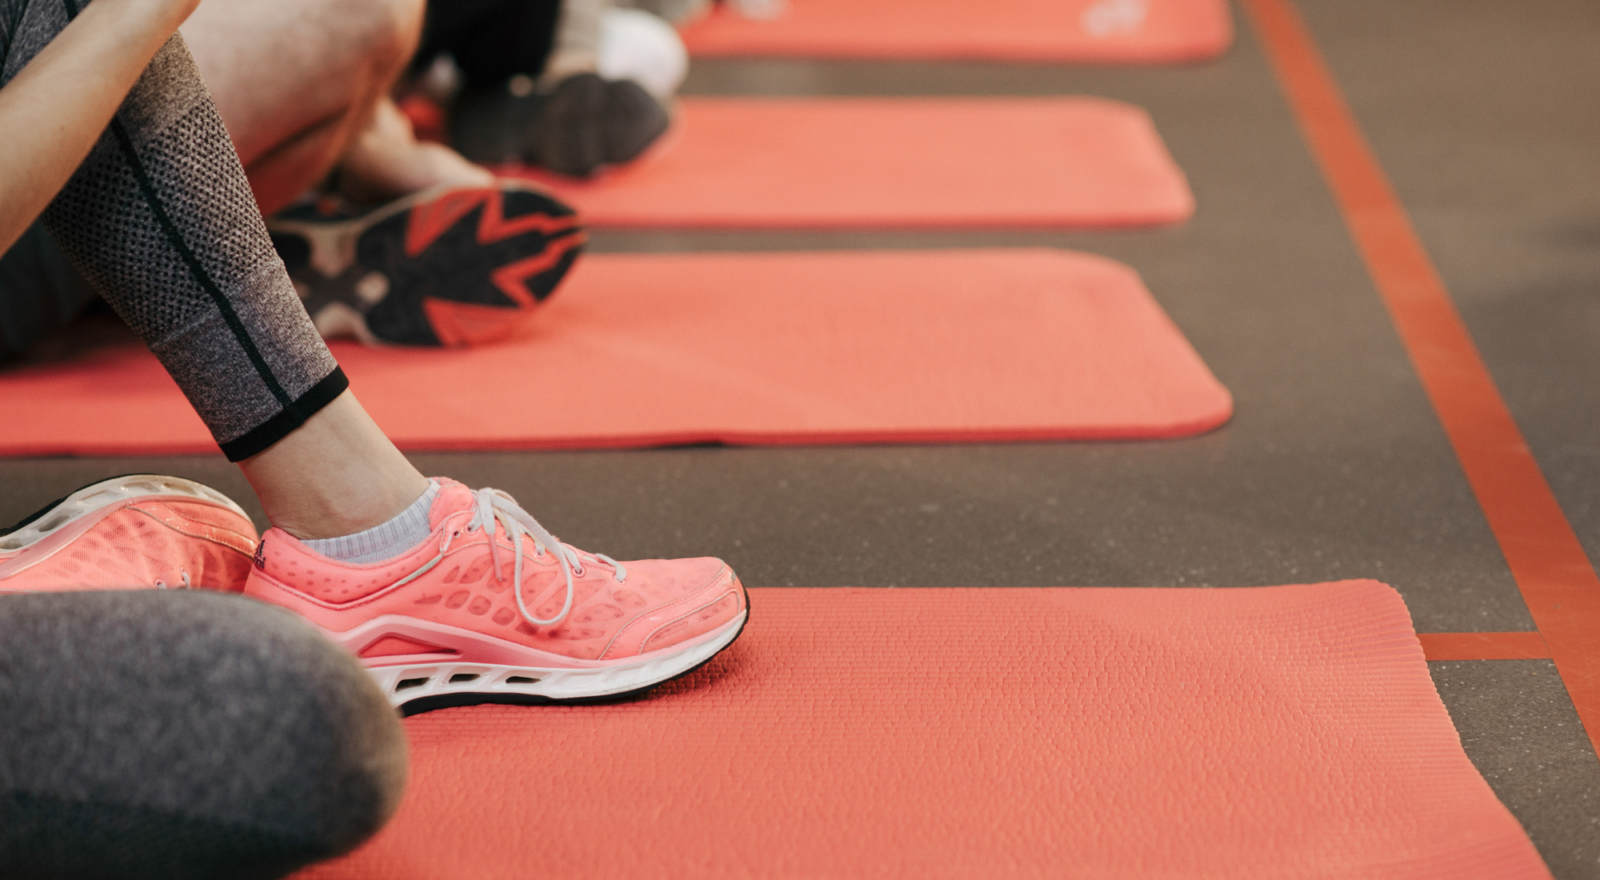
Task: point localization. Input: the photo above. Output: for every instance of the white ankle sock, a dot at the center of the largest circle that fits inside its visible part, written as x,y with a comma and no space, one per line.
384,541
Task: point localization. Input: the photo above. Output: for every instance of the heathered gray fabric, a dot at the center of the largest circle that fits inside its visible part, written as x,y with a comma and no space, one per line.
180,734
162,181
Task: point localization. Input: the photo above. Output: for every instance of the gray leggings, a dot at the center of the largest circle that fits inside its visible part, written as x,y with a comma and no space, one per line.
183,735
161,221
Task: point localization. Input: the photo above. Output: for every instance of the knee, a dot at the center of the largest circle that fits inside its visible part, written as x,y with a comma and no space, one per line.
391,30
162,734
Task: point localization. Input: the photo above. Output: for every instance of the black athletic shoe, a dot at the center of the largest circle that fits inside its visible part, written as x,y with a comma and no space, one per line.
583,124
444,267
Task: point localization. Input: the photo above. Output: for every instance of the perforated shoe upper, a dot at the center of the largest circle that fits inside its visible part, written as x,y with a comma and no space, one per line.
124,534
451,596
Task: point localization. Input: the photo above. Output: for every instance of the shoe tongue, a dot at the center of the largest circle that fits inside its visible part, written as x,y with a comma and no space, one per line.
452,498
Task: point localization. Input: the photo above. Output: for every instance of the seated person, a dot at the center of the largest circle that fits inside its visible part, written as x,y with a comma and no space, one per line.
324,118
114,143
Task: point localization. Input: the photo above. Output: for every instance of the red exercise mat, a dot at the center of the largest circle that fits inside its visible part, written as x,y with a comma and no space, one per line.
893,162
1084,31
785,348
1275,733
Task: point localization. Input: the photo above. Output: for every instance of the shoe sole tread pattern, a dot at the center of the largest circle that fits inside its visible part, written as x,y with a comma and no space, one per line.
357,278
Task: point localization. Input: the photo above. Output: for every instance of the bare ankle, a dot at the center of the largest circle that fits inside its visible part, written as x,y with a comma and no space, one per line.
335,475
325,516
386,161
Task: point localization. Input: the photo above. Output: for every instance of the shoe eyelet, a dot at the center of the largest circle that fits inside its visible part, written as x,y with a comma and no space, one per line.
577,571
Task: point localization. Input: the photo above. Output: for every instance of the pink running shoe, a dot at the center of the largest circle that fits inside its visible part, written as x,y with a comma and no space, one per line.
492,609
134,532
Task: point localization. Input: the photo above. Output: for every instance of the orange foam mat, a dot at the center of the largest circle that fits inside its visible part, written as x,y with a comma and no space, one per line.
893,162
1092,31
785,348
1278,732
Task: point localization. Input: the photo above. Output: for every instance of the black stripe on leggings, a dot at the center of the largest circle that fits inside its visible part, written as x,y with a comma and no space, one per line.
218,298
292,416
175,238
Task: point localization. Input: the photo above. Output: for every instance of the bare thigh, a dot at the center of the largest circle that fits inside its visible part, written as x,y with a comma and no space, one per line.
279,68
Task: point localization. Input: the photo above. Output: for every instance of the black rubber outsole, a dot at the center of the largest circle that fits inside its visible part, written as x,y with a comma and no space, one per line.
454,267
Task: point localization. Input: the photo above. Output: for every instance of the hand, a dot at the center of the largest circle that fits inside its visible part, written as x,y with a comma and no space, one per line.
55,109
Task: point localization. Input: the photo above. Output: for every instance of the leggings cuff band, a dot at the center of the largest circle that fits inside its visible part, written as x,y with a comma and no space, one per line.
294,415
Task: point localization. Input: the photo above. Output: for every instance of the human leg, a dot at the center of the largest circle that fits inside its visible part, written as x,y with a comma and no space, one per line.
337,474
386,161
160,220
154,735
160,217
290,127
330,109
327,102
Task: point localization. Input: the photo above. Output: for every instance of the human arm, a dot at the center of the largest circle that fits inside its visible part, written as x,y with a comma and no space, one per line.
57,107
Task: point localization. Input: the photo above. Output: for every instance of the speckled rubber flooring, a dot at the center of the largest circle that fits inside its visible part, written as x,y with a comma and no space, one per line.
1485,115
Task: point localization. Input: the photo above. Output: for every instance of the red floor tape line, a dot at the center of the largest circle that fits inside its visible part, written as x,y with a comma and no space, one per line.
1084,31
1557,579
1280,732
893,162
787,348
1484,646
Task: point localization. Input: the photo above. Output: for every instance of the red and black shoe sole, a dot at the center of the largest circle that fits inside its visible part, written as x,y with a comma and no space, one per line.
440,268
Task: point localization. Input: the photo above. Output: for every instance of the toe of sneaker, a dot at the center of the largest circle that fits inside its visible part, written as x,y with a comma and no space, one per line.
692,598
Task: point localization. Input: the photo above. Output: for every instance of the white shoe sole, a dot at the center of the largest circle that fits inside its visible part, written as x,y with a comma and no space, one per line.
422,687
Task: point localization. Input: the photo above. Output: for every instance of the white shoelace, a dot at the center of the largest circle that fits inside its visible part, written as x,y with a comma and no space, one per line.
493,505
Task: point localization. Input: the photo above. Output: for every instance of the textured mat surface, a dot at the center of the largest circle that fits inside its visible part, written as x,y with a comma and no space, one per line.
900,162
1282,732
1105,31
792,348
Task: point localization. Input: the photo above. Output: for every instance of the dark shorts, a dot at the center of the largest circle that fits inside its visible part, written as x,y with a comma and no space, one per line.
40,292
491,40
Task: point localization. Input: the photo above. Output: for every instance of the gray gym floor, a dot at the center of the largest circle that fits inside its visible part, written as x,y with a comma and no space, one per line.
1485,115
